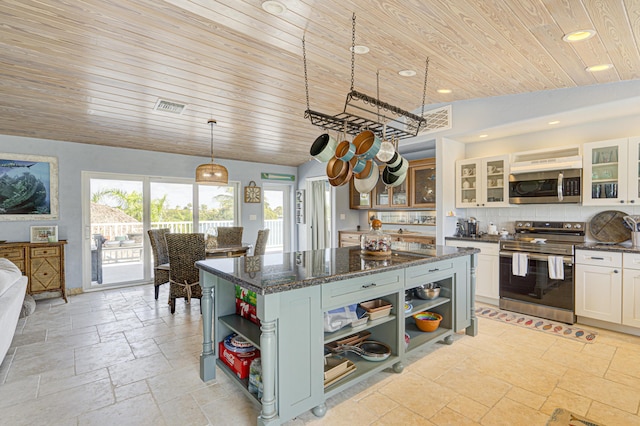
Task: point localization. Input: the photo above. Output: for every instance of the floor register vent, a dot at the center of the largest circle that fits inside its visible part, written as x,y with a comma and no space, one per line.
170,107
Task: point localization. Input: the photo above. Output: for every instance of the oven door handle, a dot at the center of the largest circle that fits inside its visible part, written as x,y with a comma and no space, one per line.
535,256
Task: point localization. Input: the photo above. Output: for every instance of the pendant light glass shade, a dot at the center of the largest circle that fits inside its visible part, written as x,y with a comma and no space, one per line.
211,173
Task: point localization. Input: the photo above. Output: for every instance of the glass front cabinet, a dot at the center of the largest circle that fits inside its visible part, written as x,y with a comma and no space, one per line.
423,183
611,172
386,197
482,182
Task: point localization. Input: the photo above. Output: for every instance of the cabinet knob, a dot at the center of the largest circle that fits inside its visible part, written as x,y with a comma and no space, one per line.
632,201
615,271
621,201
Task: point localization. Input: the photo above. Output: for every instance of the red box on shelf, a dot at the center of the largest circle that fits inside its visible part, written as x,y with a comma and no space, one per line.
239,364
247,310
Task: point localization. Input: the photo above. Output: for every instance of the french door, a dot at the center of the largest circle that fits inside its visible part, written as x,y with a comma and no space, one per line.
118,210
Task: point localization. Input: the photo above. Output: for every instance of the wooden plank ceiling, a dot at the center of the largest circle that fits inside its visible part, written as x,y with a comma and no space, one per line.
91,71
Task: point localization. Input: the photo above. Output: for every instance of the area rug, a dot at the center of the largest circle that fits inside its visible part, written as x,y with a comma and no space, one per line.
564,330
562,417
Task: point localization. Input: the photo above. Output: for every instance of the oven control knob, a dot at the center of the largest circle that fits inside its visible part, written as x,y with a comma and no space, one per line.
528,225
567,226
519,225
577,226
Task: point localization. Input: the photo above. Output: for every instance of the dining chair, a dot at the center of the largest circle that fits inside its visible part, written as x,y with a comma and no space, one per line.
230,236
160,256
184,277
261,242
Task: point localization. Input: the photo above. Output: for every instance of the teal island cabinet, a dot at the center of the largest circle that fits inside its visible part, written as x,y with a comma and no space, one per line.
293,293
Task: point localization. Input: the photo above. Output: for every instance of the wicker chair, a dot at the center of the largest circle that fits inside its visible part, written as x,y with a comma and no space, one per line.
184,277
160,256
230,236
261,242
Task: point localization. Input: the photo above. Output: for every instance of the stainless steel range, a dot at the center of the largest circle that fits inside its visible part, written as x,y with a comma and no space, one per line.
537,269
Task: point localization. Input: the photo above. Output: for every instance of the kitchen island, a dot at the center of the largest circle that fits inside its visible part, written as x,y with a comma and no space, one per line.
293,293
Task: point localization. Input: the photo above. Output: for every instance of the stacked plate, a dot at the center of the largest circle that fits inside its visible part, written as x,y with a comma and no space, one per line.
238,345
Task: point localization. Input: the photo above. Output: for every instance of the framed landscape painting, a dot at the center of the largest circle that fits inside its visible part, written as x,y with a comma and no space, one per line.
28,187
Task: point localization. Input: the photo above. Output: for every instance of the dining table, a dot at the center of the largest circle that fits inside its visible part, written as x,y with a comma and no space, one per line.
224,251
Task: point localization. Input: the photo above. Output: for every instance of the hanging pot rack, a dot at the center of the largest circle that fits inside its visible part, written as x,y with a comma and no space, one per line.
404,125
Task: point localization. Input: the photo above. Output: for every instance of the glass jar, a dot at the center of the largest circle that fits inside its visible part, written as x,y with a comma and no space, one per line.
375,242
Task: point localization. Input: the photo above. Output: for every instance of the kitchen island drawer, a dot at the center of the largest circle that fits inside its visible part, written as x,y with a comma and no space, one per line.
429,272
341,293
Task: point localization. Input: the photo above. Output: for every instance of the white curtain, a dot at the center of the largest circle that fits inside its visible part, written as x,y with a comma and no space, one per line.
318,219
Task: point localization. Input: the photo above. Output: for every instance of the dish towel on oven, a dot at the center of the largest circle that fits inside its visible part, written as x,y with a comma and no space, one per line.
556,267
519,264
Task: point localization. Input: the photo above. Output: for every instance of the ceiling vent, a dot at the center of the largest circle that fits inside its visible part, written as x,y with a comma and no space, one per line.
169,107
436,120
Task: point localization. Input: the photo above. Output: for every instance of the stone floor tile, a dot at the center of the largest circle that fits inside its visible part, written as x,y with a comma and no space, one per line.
398,416
627,360
53,360
131,390
526,397
377,404
448,417
608,415
410,393
173,383
234,409
119,326
54,386
138,411
133,370
570,358
24,390
102,355
561,398
509,412
181,411
599,389
468,408
467,381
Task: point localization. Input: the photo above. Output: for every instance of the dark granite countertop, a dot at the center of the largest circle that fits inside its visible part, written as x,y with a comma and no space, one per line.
273,273
624,247
485,238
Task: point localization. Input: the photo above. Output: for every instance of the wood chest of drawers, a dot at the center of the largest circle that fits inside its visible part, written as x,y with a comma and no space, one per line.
42,263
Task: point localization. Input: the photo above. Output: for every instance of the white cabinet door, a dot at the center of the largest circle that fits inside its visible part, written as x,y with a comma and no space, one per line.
605,170
633,171
631,297
487,276
599,293
487,270
482,182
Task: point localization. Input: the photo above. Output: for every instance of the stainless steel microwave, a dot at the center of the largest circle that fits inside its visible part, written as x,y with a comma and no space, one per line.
546,187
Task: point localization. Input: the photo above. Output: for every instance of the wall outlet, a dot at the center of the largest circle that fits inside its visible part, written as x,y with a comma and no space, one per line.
253,217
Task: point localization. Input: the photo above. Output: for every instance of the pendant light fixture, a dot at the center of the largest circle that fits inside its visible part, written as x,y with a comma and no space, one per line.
211,173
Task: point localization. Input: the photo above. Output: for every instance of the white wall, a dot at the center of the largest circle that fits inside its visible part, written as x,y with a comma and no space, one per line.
73,158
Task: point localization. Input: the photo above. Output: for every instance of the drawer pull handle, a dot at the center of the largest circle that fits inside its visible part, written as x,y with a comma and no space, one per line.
369,285
433,270
597,258
615,271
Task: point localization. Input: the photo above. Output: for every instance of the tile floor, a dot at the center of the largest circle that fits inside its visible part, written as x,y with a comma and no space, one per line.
119,357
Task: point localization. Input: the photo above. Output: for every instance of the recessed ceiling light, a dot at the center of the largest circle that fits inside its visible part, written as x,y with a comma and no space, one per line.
444,91
578,35
599,67
359,49
407,73
274,7
483,136
554,122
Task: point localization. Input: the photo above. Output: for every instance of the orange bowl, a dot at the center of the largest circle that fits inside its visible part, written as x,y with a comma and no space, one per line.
427,321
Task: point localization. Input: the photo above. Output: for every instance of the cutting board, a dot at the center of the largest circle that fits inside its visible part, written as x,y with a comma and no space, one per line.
609,227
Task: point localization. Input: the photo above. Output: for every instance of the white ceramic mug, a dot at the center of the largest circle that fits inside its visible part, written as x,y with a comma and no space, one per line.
491,169
500,182
465,184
